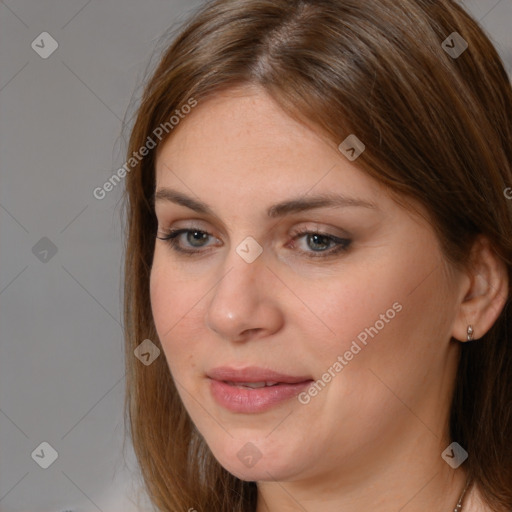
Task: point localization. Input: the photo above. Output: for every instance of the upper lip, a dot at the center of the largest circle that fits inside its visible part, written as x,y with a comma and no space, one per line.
253,374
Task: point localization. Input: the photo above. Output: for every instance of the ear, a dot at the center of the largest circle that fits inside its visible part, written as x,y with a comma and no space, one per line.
484,292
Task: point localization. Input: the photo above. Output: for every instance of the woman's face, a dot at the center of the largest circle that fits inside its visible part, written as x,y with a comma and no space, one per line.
355,322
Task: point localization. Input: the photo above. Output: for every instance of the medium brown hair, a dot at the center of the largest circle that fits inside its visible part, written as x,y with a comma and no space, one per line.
437,129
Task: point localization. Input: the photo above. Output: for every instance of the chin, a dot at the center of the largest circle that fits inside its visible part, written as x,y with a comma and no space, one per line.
250,464
262,472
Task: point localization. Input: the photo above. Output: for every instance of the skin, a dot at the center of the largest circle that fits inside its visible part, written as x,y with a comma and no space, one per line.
372,438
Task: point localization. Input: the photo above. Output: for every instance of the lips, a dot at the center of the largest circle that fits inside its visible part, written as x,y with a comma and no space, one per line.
253,390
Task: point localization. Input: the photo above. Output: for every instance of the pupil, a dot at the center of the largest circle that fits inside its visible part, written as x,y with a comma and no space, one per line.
198,233
316,237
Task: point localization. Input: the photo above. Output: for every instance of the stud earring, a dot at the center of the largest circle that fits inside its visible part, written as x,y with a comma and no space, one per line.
470,333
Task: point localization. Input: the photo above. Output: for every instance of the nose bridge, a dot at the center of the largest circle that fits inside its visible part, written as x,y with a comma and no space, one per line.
238,296
245,262
243,269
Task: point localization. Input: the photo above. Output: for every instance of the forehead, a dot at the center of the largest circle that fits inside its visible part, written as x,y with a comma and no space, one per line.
239,124
241,141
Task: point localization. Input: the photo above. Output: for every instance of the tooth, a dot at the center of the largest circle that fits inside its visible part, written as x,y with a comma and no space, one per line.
253,385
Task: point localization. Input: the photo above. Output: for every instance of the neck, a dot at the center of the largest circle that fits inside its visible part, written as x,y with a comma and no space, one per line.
408,475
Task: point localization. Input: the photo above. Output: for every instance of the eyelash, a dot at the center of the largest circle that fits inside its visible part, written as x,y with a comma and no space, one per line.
342,244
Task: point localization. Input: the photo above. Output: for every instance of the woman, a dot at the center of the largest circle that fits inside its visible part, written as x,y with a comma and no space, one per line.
319,242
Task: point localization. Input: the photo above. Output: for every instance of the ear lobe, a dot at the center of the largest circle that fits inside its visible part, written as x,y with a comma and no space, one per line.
486,292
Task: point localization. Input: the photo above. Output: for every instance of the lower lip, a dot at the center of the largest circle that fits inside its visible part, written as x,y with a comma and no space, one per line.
244,400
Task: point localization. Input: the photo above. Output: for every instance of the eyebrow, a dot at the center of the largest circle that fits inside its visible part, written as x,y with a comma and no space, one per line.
289,206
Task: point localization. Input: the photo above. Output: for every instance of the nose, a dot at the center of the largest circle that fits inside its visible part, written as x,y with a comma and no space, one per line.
244,304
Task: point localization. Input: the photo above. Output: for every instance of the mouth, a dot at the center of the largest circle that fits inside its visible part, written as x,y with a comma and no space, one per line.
253,390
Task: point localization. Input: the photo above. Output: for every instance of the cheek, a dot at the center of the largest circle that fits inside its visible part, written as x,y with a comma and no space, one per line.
386,328
163,301
382,315
172,296
174,304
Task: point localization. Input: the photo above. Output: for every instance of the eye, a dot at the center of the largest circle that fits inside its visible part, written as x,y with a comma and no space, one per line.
195,237
322,244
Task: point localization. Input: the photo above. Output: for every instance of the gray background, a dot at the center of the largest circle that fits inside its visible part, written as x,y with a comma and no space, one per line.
61,351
